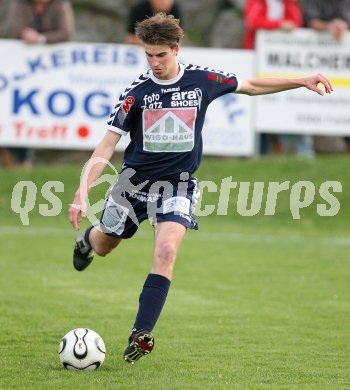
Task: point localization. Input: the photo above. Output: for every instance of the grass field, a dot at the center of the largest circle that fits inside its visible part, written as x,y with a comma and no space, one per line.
259,302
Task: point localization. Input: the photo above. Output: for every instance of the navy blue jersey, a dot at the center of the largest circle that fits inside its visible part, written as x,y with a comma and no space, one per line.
165,119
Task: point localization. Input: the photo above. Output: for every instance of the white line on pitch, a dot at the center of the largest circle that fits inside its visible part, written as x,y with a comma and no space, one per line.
8,230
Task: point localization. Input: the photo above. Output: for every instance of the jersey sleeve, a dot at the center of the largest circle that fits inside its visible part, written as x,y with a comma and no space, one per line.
220,83
121,117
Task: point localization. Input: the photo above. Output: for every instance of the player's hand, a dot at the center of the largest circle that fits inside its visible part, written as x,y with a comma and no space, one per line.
77,211
313,81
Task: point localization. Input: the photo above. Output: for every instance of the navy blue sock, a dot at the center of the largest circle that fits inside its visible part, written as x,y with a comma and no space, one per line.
86,235
151,302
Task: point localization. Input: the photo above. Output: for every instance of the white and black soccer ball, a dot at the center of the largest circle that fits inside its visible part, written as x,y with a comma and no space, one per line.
82,349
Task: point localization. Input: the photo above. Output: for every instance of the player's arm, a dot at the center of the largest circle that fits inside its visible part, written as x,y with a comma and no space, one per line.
263,86
95,166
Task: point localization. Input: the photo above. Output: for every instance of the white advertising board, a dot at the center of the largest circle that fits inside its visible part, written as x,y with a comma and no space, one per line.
304,52
60,96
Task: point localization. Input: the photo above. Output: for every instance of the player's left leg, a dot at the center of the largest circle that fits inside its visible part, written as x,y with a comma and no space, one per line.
120,219
168,238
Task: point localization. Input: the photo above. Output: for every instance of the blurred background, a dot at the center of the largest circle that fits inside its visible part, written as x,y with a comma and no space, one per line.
204,21
221,25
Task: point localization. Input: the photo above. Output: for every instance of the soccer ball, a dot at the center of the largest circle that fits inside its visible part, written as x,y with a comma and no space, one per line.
82,349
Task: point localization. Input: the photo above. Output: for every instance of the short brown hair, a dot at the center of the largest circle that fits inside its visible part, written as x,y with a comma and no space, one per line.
160,29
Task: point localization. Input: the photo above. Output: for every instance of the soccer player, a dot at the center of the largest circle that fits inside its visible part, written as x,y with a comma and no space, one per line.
163,110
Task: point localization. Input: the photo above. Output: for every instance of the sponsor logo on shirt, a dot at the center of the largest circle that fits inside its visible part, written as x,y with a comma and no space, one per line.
125,108
167,90
152,101
128,102
220,79
187,98
169,130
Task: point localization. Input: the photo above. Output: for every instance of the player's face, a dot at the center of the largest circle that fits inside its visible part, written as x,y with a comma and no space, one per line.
163,60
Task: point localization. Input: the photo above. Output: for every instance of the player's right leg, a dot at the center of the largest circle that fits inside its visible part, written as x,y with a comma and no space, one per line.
93,241
168,237
170,228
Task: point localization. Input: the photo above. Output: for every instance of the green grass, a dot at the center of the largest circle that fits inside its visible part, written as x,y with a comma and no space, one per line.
256,302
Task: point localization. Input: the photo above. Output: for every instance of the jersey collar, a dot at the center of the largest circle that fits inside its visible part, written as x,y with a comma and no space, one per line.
170,81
